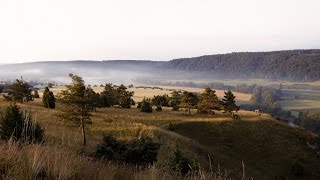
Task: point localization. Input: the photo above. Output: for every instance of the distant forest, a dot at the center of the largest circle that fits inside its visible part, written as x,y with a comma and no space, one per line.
294,65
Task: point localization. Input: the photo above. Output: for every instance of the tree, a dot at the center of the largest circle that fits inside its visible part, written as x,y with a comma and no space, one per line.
77,104
229,103
145,106
124,97
19,126
188,100
108,96
36,94
209,101
19,91
116,96
95,99
174,100
160,100
48,99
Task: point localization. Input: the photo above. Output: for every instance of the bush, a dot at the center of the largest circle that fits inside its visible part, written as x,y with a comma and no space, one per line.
137,152
19,126
181,164
145,106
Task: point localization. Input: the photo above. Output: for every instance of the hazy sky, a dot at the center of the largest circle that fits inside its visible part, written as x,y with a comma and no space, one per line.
35,30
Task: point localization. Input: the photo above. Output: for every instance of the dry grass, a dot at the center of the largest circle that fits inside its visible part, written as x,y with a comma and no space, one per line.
140,93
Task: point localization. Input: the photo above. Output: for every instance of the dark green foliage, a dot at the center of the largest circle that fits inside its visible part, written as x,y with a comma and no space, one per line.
145,106
108,97
229,103
174,100
189,100
112,95
296,65
94,99
209,101
181,164
48,99
19,91
19,126
160,100
77,103
124,97
137,152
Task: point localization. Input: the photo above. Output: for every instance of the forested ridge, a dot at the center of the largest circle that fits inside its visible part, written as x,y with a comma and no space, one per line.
297,65
292,65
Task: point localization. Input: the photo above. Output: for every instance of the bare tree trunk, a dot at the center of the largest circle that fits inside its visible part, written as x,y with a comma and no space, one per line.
83,132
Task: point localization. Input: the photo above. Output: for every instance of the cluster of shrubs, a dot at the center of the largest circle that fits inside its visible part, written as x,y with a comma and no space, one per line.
141,151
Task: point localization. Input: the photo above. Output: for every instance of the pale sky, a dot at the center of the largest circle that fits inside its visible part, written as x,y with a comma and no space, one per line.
42,30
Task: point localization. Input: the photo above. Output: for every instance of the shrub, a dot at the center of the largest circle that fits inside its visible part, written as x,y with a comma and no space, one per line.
181,164
138,152
145,106
19,125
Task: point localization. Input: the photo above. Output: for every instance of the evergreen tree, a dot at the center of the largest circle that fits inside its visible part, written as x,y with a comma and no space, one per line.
174,100
188,100
229,103
108,96
77,104
124,97
48,99
19,125
209,101
19,91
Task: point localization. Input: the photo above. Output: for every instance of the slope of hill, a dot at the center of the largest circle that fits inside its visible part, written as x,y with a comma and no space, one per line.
295,65
267,148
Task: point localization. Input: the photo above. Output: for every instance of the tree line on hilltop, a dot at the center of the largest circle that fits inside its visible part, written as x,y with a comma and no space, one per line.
295,65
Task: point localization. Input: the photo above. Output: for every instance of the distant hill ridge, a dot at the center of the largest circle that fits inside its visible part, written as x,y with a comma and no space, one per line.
297,65
294,65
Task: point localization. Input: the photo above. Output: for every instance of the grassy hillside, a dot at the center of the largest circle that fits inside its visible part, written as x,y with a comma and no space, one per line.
267,148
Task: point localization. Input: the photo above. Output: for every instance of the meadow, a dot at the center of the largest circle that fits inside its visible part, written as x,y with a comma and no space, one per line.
256,147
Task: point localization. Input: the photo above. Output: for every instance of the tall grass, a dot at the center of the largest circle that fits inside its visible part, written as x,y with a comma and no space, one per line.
37,161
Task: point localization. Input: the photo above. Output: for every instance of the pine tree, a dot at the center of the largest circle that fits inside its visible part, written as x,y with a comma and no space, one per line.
229,103
174,100
19,126
19,91
188,100
124,97
48,99
108,97
77,104
209,101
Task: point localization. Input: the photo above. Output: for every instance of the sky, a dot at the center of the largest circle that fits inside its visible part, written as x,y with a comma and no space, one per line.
45,30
